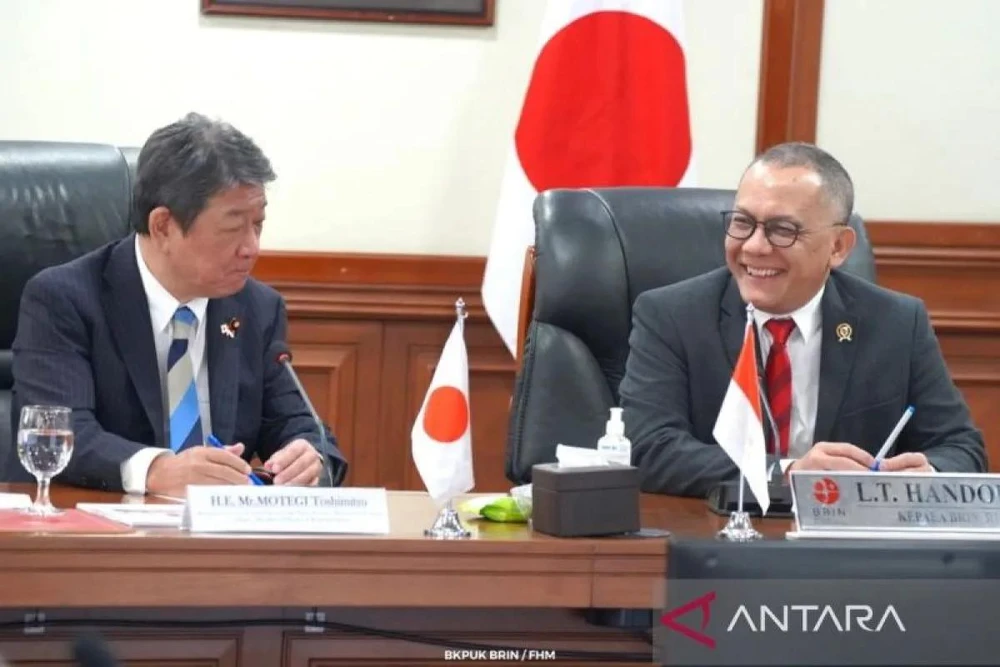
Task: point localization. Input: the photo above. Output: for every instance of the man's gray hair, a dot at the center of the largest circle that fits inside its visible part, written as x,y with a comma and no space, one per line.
183,165
836,182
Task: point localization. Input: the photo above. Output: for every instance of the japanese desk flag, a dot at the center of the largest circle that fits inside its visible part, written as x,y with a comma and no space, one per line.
739,429
442,436
606,105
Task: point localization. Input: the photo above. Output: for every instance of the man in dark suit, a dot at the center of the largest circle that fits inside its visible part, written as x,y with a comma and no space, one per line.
843,358
163,339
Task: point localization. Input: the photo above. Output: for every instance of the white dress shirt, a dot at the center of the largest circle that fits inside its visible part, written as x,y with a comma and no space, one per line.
162,306
804,345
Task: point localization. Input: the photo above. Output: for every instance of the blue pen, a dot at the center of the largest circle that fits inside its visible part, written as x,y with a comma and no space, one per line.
212,440
892,438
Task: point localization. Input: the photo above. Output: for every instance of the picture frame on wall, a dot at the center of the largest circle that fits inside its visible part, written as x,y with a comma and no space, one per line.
455,12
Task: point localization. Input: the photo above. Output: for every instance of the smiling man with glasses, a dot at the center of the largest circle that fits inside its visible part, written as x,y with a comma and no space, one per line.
841,358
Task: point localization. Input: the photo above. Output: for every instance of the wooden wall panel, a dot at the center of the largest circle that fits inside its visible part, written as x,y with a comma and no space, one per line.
490,388
537,630
366,331
955,269
350,651
339,363
401,397
540,631
162,648
412,350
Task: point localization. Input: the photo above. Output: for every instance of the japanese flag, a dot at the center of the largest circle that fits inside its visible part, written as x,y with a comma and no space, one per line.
606,105
442,435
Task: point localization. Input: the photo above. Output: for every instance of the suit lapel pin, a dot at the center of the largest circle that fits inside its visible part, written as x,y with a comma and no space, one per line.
844,332
230,328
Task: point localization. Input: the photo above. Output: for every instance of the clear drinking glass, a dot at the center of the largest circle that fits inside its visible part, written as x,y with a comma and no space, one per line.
44,445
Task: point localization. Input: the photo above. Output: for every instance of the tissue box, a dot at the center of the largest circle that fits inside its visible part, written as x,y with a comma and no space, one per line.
584,501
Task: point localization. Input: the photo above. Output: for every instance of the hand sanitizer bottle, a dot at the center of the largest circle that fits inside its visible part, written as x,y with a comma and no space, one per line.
614,446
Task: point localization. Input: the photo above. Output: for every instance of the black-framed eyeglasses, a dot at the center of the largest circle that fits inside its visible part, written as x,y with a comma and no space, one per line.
779,233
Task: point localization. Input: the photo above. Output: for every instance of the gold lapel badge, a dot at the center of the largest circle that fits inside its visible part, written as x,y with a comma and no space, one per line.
844,332
230,328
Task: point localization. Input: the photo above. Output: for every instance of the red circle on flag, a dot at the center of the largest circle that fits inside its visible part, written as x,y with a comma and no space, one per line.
447,414
606,106
826,491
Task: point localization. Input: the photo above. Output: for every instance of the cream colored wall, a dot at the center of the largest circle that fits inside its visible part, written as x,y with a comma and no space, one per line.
386,138
910,102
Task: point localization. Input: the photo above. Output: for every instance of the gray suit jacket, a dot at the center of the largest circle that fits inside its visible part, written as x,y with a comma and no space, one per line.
84,340
684,343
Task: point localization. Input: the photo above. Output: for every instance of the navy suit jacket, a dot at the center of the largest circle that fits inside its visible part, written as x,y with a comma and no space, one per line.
84,340
685,341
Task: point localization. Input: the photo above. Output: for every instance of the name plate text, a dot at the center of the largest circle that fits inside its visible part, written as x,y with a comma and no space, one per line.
904,503
286,509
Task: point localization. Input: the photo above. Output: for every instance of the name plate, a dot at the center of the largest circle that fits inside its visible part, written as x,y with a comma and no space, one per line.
882,504
286,509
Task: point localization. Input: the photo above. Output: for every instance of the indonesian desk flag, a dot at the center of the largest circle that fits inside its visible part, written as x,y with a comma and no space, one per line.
441,436
606,105
739,429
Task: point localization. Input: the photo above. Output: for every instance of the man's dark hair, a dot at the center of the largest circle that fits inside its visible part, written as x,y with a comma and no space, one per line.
836,183
183,165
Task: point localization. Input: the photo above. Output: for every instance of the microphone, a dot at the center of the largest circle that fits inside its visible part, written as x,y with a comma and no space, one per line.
92,651
762,390
283,356
774,427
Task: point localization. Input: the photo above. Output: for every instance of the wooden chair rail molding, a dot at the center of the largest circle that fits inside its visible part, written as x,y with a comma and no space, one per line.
954,267
383,286
367,329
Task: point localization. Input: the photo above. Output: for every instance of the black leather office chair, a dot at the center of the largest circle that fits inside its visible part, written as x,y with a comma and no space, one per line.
595,252
57,202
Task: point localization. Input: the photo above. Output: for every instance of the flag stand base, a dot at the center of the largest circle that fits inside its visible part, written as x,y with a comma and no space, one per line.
739,529
447,526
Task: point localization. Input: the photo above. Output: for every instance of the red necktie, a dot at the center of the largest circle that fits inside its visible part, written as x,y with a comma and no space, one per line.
778,375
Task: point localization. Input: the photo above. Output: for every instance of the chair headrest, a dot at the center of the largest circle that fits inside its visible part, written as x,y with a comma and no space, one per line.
598,249
6,373
57,201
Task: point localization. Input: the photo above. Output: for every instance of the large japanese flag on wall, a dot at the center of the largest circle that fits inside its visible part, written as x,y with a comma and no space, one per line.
606,105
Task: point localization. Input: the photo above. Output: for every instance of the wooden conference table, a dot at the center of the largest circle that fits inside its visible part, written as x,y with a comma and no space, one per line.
235,600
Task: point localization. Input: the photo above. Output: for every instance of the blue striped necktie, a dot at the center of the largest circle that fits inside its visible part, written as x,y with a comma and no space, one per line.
182,392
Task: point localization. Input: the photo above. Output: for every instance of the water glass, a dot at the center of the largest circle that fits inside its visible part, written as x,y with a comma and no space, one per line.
44,445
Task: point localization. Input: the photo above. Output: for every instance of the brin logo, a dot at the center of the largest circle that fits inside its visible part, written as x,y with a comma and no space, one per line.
826,491
704,603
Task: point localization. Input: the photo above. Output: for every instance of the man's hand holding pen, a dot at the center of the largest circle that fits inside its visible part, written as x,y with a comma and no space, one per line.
906,462
296,464
845,456
170,474
834,456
